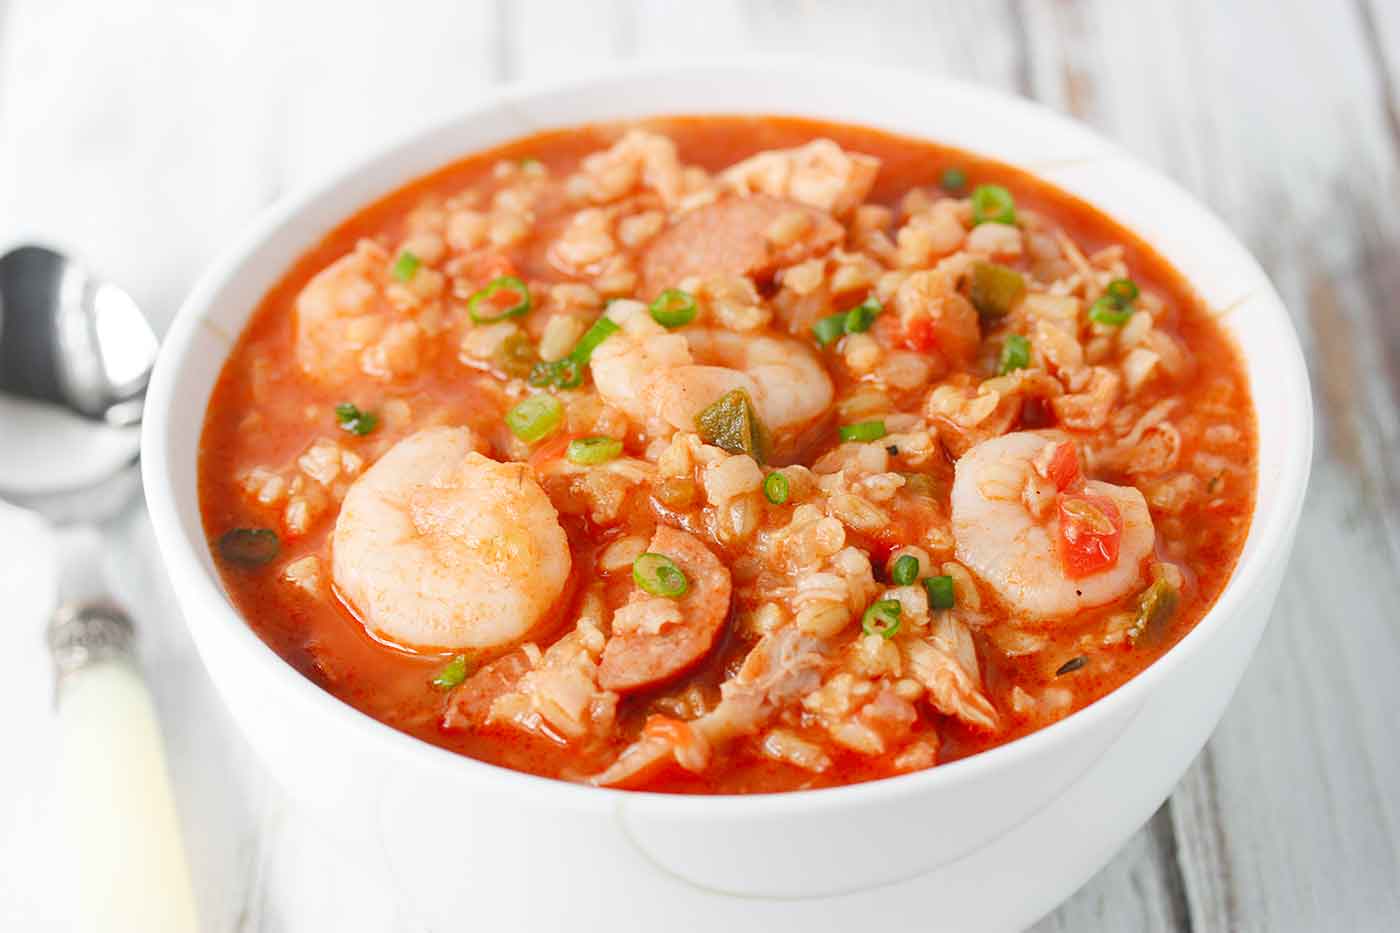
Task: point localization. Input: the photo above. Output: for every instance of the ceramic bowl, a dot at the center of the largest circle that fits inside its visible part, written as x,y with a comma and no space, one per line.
991,841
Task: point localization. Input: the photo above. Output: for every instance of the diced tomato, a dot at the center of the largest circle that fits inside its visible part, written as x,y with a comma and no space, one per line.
1091,529
550,450
672,731
1064,467
919,334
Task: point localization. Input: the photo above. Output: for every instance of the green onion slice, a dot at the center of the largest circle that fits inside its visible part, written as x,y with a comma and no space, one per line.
1108,311
992,204
602,329
732,424
352,419
859,318
1114,307
775,488
406,266
882,618
954,179
1123,291
249,547
535,418
828,330
659,575
863,431
905,570
485,308
673,308
567,373
1015,354
562,374
452,673
940,592
590,451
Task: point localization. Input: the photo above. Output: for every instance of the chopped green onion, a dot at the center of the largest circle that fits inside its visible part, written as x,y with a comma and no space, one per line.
529,162
775,488
1114,307
561,374
1155,607
1123,291
589,451
863,431
673,308
249,547
567,373
1015,354
406,266
1108,311
352,419
995,288
508,284
452,673
856,320
859,318
992,204
882,618
905,570
940,592
954,179
602,329
659,575
830,329
731,423
535,418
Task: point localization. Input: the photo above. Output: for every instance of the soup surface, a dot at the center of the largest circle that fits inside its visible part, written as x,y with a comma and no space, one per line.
727,455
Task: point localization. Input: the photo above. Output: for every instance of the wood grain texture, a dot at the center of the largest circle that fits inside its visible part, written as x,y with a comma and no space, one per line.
1282,116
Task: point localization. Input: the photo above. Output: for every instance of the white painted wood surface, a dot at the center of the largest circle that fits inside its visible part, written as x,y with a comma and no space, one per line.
144,135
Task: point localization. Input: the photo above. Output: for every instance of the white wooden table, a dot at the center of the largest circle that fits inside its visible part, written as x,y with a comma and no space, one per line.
144,135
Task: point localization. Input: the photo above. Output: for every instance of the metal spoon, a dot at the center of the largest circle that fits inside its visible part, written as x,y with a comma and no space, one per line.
81,343
71,338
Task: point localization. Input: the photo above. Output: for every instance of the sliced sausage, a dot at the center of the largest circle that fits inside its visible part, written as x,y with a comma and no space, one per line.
639,660
731,237
470,703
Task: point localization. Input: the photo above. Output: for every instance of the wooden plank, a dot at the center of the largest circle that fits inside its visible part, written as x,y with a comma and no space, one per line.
1270,113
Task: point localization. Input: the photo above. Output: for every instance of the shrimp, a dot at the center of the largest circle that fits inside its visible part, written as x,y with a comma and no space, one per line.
346,328
639,659
438,547
1010,533
820,174
664,379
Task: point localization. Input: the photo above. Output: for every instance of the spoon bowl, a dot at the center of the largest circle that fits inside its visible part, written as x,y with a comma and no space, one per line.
71,338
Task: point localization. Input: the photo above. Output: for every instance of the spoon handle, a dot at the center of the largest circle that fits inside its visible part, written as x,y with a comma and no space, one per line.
124,836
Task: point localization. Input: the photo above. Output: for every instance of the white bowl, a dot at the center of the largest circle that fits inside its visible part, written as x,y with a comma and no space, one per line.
993,841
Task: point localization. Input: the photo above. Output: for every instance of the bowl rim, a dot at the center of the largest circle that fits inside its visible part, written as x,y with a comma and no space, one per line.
181,554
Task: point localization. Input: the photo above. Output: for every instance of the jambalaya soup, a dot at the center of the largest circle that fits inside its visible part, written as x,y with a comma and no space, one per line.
727,455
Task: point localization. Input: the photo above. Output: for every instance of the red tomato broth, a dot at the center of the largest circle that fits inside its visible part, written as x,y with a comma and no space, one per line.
324,640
